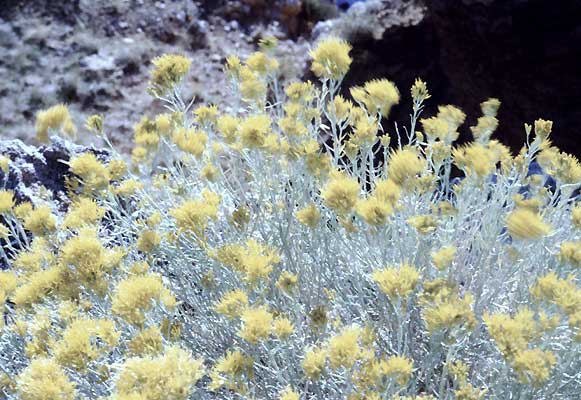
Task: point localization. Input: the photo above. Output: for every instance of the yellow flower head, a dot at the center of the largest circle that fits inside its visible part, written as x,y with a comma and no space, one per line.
254,129
331,59
206,114
84,341
228,128
170,376
341,193
484,128
374,211
287,281
526,224
44,379
420,91
490,107
398,368
261,64
148,240
54,118
94,124
403,165
233,66
300,92
344,348
83,212
534,366
512,335
147,342
91,171
283,328
309,216
314,362
257,324
449,312
543,129
475,159
164,124
6,201
117,169
191,141
252,88
40,221
232,304
424,224
342,107
4,164
194,215
136,295
289,394
444,257
378,96
168,71
397,282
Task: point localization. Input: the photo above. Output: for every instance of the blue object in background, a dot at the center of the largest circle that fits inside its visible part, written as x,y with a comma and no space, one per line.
345,4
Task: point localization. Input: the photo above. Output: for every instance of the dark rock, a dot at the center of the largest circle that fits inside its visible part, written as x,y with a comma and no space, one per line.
527,53
197,35
33,169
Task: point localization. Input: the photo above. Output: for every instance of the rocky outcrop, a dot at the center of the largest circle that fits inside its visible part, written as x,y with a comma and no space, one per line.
525,52
41,172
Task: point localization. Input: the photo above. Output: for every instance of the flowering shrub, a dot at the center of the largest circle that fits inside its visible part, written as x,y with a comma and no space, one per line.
288,252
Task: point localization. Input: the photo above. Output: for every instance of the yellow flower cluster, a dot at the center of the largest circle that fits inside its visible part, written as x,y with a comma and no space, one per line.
190,141
254,130
170,376
444,126
231,370
331,59
257,324
309,215
254,260
341,193
404,165
526,224
378,96
397,282
136,295
344,349
83,212
44,379
194,215
85,341
87,261
54,118
6,201
168,71
232,304
444,309
92,173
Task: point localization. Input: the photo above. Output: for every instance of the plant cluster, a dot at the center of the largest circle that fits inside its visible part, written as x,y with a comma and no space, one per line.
297,249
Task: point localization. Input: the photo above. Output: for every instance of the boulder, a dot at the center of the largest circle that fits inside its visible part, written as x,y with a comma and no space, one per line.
36,173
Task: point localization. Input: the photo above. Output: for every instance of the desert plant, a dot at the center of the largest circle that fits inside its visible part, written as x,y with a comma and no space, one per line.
287,251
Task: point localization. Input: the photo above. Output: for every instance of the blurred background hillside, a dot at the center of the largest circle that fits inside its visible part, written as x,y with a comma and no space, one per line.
95,55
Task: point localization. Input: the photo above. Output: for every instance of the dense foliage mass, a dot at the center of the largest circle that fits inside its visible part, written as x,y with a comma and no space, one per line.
297,249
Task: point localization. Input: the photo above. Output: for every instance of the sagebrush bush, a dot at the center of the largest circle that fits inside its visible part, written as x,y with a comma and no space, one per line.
288,252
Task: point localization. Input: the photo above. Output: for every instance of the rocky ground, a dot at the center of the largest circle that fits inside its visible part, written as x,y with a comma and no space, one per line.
96,56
